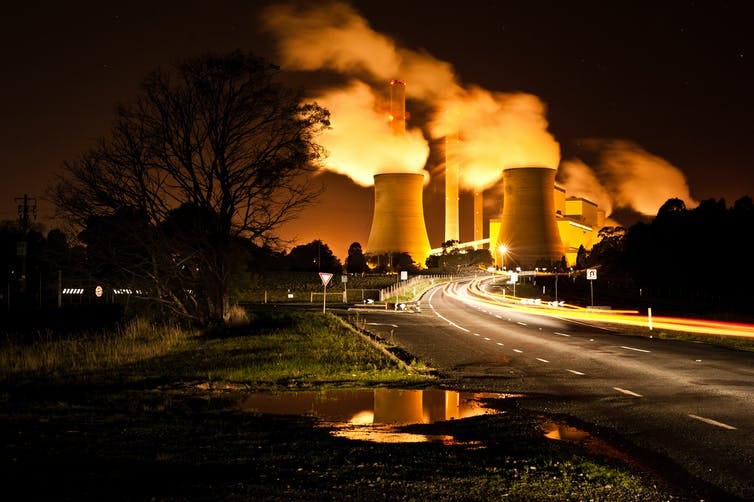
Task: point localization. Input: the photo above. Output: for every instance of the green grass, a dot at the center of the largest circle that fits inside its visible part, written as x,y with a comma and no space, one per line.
149,412
272,349
299,350
50,354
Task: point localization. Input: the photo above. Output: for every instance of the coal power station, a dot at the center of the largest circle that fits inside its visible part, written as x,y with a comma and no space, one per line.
398,219
537,225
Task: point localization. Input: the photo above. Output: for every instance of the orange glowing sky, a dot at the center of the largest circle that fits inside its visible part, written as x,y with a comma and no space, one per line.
632,106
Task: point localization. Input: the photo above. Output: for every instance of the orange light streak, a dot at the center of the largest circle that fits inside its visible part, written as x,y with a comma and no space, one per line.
620,317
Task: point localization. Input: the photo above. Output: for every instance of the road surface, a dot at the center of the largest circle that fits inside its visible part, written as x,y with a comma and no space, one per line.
689,404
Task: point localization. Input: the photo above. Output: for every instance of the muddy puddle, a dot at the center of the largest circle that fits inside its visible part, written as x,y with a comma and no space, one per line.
375,415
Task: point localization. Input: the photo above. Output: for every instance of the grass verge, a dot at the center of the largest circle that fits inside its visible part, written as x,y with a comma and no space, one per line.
155,417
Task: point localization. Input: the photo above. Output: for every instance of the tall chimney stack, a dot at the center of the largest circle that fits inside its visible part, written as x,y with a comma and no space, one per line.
398,106
452,231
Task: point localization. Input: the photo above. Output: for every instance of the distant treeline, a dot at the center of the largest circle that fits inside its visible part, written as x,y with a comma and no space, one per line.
692,261
686,261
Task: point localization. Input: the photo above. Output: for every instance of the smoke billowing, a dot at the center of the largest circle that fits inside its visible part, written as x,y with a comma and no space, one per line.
360,136
498,130
624,175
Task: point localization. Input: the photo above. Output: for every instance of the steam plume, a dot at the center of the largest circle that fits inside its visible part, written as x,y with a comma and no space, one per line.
361,143
498,130
627,175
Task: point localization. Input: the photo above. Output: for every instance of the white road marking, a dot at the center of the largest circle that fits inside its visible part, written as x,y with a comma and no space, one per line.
486,338
381,324
519,351
633,348
712,422
500,344
576,372
450,322
521,323
542,360
499,317
626,391
561,334
477,334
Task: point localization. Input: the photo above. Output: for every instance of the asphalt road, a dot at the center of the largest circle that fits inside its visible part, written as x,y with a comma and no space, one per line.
691,405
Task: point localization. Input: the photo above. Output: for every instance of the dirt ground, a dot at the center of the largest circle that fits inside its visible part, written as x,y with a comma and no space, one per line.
165,441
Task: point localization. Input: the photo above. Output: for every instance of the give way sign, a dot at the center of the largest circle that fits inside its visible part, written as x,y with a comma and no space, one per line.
325,276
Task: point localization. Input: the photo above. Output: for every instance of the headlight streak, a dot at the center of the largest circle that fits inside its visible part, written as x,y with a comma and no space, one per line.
476,294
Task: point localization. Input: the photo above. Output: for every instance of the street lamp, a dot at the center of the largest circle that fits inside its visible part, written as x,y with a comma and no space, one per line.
502,248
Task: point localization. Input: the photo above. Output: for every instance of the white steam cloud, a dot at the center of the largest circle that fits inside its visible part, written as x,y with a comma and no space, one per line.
625,176
497,130
360,136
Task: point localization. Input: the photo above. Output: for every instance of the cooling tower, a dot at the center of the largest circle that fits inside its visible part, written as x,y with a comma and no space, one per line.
398,220
528,224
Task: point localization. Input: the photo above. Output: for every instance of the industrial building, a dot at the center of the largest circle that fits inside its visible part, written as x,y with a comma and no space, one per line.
538,223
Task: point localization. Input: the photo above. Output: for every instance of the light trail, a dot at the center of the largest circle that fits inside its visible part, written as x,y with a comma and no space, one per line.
476,292
627,392
713,422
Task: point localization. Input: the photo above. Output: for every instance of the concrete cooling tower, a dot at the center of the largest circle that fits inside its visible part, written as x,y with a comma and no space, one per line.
528,225
398,220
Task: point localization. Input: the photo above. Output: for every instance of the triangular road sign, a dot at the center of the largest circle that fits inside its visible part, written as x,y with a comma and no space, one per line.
325,276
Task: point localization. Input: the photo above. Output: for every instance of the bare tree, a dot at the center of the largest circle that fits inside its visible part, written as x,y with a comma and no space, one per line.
217,134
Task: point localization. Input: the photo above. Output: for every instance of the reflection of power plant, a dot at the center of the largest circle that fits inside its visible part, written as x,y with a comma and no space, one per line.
372,414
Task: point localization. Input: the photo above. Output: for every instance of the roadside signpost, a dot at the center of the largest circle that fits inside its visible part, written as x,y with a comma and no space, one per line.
591,275
325,276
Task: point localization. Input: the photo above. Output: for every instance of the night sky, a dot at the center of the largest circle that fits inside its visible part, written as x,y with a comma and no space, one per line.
644,94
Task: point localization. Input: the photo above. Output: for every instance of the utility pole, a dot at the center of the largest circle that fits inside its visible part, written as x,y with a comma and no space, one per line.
27,207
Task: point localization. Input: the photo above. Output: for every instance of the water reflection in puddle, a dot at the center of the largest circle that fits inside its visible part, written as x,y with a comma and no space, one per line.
560,431
374,415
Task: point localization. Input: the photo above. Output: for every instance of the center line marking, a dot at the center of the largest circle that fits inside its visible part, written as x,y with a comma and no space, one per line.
712,422
486,338
576,372
521,323
500,344
519,351
543,360
626,391
633,348
561,334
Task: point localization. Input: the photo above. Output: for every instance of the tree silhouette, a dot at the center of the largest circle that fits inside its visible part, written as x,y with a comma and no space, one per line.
315,256
217,133
356,262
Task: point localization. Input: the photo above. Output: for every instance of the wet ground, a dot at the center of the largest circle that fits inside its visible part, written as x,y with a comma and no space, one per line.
165,442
